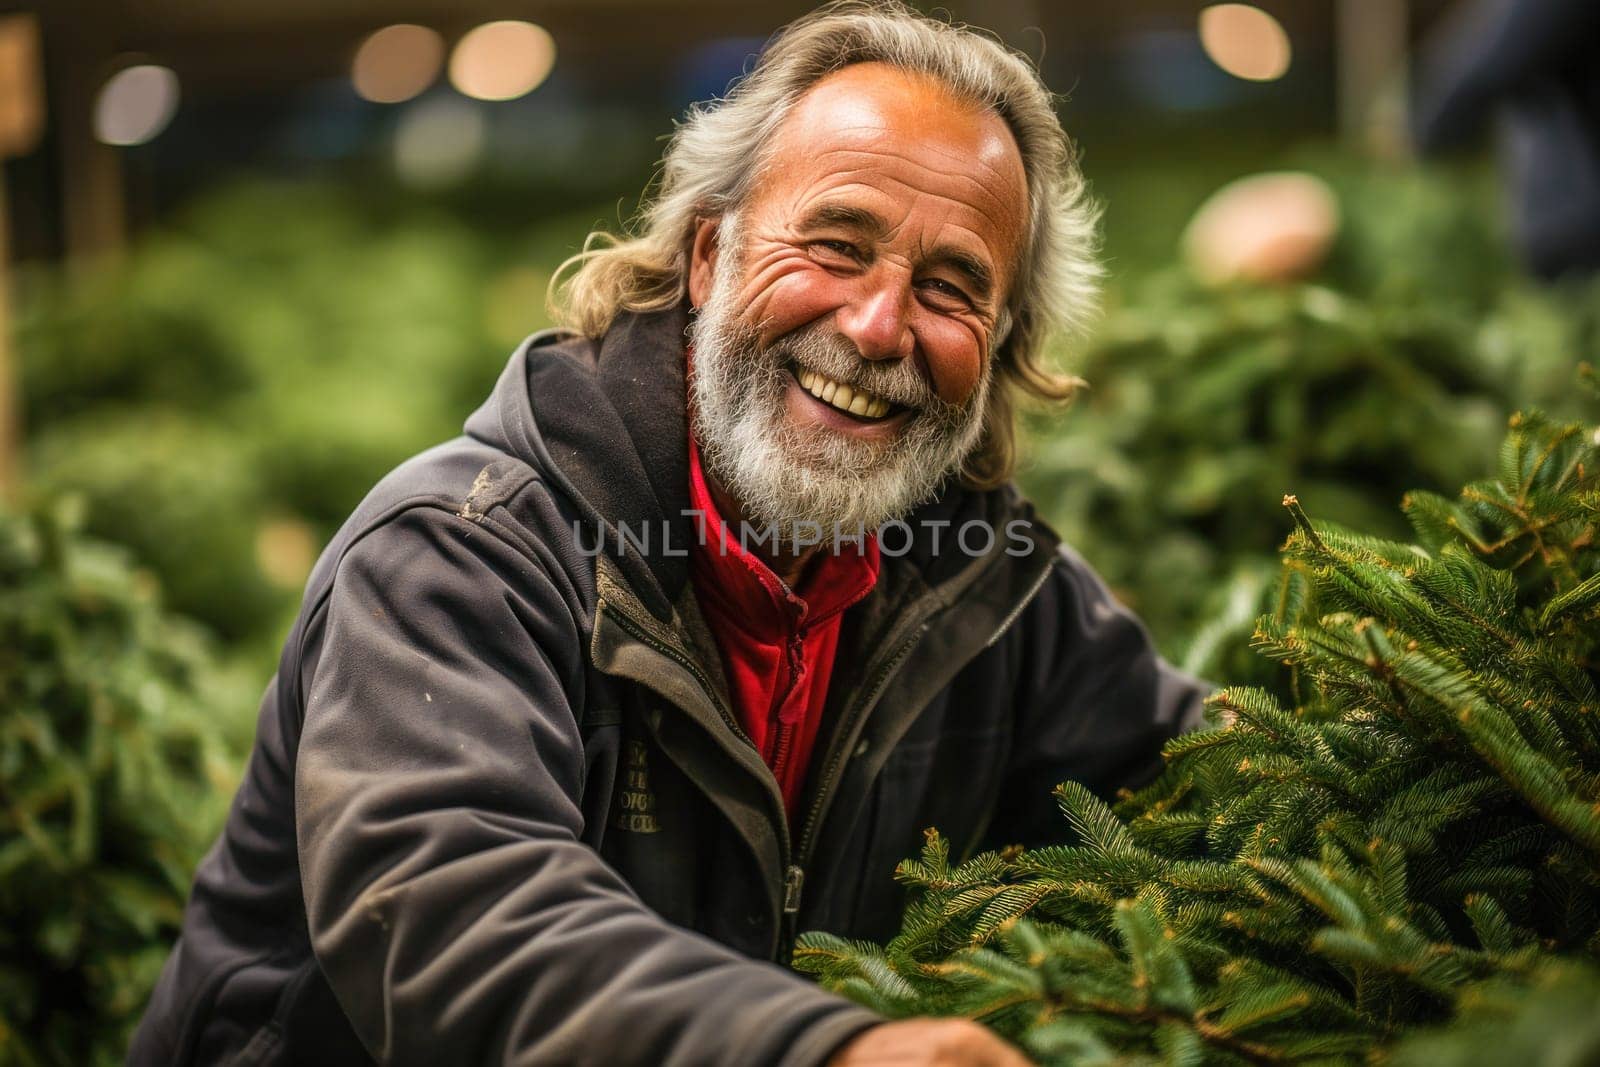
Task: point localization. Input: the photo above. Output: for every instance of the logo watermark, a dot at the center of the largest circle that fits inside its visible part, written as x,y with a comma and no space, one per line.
975,537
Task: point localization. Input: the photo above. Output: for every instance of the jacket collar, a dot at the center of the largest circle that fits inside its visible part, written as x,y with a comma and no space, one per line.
606,423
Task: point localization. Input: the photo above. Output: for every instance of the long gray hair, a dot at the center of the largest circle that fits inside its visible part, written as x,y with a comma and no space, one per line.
714,160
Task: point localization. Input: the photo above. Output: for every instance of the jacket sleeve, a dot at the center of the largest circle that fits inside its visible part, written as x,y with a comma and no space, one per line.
451,904
1095,703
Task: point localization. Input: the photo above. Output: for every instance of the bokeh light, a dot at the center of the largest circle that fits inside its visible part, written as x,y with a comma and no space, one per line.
1273,227
286,550
397,63
502,60
136,104
439,141
1245,41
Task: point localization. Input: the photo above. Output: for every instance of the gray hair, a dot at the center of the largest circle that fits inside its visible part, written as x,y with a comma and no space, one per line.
707,171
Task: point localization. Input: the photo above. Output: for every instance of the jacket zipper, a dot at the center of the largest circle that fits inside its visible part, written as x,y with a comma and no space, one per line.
864,698
794,860
780,734
793,881
1022,605
793,872
793,876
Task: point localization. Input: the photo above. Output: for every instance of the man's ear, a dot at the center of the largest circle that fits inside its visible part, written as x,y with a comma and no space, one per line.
702,261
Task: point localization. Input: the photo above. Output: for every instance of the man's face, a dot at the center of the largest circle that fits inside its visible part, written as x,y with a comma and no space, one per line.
846,315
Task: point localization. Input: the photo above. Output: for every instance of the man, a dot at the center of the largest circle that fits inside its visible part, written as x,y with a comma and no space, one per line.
558,759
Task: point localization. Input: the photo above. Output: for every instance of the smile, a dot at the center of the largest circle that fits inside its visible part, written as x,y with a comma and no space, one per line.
841,397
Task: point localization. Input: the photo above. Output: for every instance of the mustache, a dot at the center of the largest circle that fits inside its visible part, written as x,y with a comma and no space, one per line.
832,355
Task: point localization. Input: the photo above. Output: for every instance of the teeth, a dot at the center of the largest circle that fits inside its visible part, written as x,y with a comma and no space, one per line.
843,396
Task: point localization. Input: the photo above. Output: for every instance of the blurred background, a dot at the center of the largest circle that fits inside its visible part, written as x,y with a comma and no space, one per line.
253,254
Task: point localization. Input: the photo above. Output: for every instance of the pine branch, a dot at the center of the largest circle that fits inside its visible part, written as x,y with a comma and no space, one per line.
1310,884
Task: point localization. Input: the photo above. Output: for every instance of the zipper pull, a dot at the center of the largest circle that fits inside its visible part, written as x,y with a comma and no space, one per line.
793,879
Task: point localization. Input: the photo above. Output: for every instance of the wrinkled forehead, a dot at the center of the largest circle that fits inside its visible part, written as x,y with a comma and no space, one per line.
874,119
867,95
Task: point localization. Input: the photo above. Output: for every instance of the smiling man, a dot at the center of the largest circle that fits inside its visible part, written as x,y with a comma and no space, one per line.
847,309
723,597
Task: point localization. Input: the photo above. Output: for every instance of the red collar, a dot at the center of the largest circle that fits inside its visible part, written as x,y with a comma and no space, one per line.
746,588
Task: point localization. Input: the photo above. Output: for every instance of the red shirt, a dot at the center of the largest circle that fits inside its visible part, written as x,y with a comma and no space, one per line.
777,643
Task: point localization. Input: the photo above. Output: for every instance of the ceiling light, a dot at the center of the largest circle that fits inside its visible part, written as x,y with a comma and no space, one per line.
502,60
1245,41
397,63
135,105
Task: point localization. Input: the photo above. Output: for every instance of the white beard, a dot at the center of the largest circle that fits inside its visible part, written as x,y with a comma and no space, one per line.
815,479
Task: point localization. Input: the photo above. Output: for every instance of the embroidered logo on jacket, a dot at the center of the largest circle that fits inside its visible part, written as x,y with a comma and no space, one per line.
635,805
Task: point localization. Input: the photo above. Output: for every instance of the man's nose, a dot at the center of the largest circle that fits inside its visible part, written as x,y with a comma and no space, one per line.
878,320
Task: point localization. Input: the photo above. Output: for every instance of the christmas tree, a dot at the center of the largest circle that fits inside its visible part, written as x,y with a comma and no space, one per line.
114,775
1311,883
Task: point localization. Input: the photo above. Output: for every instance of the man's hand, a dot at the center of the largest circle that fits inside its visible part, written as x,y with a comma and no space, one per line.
928,1043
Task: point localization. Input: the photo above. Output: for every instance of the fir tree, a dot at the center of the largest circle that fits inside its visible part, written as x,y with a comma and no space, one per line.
1310,883
114,776
1544,1020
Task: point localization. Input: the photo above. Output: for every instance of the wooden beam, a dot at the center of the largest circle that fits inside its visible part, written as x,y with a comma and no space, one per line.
1373,57
10,402
93,213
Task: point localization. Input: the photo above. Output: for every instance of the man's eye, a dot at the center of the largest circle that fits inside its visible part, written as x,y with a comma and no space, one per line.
946,292
839,248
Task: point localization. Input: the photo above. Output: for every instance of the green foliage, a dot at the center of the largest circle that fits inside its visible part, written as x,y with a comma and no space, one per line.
114,774
1549,1020
1309,883
221,399
182,493
264,359
1389,371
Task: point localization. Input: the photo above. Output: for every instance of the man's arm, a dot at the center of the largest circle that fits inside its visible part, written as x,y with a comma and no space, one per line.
452,906
1095,703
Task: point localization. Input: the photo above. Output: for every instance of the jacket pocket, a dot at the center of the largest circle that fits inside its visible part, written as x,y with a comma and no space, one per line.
202,1006
263,1046
308,1028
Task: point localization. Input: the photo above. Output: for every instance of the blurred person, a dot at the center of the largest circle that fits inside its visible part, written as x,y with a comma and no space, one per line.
1530,65
558,759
